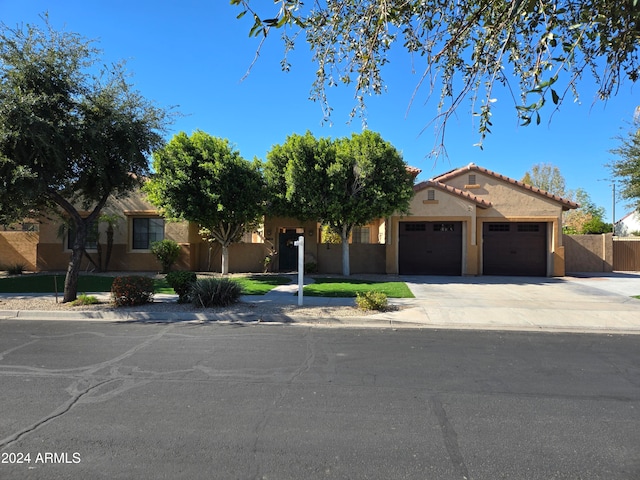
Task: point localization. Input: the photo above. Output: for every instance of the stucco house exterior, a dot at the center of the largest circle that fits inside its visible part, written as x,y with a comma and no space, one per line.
468,221
473,221
628,224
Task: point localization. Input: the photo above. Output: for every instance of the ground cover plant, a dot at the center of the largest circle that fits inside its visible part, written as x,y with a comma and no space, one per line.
84,299
350,287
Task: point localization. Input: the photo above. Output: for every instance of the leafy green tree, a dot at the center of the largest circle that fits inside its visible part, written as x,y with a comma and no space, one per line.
69,138
202,179
539,50
546,177
626,167
587,219
343,183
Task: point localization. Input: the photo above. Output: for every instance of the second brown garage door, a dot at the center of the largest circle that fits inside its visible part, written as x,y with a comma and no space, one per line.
514,249
430,248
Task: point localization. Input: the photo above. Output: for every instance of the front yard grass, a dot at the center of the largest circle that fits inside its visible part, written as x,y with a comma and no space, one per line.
260,284
343,287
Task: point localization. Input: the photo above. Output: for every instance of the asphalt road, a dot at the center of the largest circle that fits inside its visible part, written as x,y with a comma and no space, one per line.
155,401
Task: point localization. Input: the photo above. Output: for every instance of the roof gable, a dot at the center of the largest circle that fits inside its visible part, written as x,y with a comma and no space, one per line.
566,204
452,190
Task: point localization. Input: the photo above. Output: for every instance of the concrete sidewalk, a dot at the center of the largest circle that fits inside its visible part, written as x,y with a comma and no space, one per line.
580,303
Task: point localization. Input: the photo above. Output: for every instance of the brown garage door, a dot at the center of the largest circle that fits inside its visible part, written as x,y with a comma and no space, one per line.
514,249
430,248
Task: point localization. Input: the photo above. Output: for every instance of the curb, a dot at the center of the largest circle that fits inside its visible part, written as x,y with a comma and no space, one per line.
252,319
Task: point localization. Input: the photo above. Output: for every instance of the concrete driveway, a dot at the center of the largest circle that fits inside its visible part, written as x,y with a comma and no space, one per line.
583,303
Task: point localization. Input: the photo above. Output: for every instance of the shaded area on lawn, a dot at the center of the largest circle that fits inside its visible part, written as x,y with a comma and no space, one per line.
36,283
251,285
344,287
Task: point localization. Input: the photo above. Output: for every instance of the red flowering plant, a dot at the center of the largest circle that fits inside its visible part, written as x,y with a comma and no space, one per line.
132,290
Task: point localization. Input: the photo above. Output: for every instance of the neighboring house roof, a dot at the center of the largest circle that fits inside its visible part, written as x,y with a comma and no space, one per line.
628,224
455,191
413,171
627,217
566,204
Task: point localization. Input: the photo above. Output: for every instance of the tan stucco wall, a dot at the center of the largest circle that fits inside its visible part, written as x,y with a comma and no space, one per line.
507,200
363,258
53,254
18,248
508,203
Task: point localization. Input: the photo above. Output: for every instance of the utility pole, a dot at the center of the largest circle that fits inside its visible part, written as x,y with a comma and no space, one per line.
613,208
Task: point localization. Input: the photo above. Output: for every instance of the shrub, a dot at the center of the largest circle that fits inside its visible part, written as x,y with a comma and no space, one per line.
310,267
372,301
181,282
215,292
16,269
167,252
85,299
132,290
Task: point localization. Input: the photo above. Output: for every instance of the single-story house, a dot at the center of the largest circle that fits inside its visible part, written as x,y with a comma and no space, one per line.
468,221
628,225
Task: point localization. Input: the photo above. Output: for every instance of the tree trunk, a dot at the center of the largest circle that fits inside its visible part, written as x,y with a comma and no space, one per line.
99,255
346,268
73,270
109,246
225,259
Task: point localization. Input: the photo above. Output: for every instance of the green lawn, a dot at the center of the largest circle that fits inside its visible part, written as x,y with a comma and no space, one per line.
260,284
341,287
254,285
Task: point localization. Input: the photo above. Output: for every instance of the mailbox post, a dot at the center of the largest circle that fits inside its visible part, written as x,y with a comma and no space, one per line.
300,244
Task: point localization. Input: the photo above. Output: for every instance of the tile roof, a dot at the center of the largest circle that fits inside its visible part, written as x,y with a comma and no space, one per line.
566,204
455,191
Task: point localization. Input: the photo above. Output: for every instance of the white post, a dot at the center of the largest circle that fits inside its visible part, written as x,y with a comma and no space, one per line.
300,245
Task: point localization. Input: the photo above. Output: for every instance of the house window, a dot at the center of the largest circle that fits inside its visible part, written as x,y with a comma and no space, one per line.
528,227
431,194
361,235
472,179
443,227
30,227
92,237
415,227
499,227
146,231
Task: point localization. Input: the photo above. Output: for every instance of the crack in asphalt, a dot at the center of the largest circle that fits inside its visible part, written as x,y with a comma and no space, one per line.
11,439
450,438
304,367
77,390
7,352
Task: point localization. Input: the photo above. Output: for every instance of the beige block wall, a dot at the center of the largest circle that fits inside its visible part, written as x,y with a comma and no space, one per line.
589,253
19,248
363,258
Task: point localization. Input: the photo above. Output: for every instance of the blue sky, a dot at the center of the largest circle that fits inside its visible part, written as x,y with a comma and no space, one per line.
193,54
